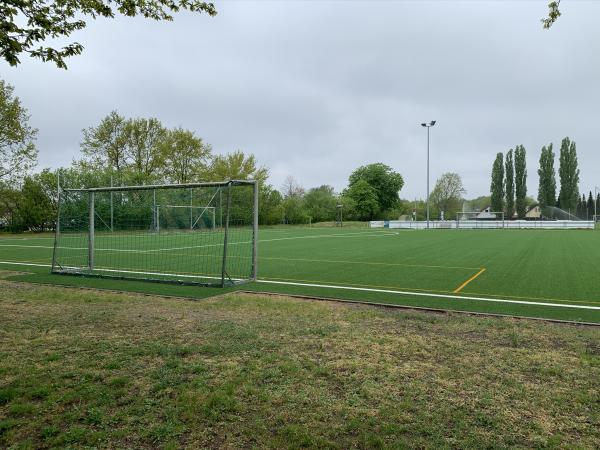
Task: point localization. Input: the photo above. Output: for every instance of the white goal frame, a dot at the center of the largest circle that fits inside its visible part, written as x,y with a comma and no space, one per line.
89,268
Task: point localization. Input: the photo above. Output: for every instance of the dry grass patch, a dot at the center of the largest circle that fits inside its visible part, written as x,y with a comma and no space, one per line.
85,368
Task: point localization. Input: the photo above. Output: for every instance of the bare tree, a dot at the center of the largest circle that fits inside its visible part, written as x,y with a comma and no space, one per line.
447,193
291,188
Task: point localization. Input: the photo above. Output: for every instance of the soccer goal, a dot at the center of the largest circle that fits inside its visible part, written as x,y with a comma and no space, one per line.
481,219
200,233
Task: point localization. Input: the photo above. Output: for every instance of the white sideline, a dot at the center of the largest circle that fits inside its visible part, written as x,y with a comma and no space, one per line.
350,288
426,294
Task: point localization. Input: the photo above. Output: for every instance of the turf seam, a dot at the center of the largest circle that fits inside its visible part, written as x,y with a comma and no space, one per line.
441,311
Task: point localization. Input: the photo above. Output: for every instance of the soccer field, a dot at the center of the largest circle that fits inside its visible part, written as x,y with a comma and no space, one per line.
536,273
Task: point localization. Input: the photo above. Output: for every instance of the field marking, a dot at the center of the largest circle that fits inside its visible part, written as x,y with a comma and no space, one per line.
360,289
373,263
336,283
424,294
460,288
189,247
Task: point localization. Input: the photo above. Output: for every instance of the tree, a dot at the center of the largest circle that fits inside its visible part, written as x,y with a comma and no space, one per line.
510,184
547,177
569,175
17,150
520,182
295,210
447,194
590,206
497,186
236,166
185,156
9,203
104,145
270,207
364,198
132,150
35,211
385,182
553,14
321,203
25,24
145,139
291,187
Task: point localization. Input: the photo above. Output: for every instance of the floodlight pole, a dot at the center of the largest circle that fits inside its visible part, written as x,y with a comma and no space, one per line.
428,126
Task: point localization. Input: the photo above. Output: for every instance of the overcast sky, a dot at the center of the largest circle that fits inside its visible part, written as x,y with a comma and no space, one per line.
317,88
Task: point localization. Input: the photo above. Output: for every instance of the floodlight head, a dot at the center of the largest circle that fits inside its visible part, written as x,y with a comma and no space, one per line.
423,124
432,123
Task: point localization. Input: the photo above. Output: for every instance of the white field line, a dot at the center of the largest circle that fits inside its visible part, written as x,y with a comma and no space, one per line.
425,294
122,271
352,288
145,236
370,233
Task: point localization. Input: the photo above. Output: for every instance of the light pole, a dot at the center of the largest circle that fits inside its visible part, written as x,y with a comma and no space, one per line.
428,126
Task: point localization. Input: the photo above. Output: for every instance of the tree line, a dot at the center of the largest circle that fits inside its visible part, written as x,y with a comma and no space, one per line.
509,182
121,151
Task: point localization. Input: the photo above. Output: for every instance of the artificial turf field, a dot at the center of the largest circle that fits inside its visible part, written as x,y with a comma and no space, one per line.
551,274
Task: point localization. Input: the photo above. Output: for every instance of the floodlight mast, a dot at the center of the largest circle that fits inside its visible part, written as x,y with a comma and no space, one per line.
428,126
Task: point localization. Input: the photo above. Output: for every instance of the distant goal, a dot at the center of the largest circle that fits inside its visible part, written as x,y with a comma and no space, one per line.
480,219
200,233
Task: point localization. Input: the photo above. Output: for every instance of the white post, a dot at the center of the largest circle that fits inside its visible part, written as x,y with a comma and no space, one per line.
91,233
255,234
111,206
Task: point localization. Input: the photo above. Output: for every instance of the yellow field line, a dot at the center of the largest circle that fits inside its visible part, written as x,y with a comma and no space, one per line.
458,289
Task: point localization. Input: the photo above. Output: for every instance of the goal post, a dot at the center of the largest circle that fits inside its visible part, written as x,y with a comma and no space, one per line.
195,233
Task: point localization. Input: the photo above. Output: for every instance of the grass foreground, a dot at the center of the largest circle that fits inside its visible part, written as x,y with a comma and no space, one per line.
81,368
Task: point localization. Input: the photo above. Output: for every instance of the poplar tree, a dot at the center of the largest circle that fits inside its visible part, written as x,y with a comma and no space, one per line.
546,173
520,181
569,175
497,186
590,205
510,184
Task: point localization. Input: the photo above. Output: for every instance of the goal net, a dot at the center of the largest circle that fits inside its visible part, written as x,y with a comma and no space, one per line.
178,217
202,233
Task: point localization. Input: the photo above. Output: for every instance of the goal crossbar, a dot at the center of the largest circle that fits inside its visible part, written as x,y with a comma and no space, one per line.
149,187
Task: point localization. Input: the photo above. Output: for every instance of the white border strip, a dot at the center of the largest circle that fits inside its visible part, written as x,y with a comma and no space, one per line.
353,288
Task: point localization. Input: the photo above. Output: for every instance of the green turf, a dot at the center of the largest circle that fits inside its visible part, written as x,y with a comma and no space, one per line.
536,266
